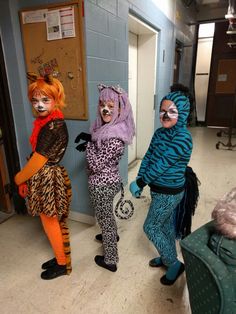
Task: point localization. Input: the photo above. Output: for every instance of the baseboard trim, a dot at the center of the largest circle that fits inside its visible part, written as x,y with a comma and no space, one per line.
82,218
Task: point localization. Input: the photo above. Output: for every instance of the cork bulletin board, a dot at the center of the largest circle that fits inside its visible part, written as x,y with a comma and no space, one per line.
226,76
53,40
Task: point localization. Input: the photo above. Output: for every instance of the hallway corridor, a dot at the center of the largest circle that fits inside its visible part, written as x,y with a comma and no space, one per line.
135,287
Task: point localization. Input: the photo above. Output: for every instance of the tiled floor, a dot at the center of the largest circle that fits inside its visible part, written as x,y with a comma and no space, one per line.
134,288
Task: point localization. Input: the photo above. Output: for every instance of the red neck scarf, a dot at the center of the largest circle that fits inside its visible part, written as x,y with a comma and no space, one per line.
40,122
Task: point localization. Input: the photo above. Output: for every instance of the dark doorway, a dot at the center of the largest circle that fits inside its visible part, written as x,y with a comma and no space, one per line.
178,53
9,159
222,83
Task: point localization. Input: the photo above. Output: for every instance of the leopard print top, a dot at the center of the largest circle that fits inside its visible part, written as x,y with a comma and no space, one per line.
103,161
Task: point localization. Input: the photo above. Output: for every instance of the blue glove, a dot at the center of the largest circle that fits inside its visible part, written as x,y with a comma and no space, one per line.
135,190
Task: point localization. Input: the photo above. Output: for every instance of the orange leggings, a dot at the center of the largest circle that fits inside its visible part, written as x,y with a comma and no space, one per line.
53,231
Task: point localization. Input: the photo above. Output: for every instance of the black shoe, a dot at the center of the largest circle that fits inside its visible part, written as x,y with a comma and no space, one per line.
52,262
99,260
156,262
167,282
98,237
54,272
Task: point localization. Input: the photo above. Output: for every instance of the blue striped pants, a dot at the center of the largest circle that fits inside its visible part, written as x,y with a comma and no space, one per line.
159,225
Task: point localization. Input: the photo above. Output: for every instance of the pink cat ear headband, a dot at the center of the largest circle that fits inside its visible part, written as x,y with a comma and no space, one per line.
116,88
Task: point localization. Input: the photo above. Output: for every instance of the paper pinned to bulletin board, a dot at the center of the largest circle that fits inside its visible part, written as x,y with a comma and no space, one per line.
53,39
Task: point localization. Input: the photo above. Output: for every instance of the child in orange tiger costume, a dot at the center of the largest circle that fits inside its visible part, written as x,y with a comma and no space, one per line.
43,181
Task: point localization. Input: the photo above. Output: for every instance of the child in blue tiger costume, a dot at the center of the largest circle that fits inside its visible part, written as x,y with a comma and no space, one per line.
163,170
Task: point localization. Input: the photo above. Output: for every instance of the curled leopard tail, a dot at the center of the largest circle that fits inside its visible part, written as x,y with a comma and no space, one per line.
122,212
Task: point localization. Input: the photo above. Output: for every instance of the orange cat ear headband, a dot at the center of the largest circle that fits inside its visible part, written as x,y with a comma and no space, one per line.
32,77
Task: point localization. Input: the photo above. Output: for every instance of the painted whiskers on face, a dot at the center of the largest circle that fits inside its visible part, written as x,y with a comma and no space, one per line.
168,114
42,104
106,110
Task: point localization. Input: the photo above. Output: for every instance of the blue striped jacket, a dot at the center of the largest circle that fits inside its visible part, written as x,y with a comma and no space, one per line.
168,155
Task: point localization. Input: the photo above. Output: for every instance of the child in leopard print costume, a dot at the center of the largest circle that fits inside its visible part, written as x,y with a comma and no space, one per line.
113,128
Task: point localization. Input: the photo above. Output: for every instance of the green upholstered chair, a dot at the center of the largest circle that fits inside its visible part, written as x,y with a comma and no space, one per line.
211,278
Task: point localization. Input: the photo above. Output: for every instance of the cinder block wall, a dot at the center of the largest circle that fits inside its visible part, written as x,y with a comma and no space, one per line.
106,38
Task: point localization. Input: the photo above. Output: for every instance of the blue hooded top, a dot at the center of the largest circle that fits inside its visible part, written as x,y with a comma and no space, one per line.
169,152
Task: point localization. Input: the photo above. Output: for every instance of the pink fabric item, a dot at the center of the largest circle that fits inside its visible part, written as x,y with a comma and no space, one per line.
224,214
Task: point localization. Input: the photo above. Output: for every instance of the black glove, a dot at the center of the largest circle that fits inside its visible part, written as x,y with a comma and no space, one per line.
81,147
19,202
85,137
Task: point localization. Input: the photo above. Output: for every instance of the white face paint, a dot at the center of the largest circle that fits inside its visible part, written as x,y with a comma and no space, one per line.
171,112
106,110
168,114
42,104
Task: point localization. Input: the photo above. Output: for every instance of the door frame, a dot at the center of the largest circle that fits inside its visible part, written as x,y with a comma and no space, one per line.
9,136
148,36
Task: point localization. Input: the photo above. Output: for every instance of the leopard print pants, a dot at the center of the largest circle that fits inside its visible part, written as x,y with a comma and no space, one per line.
102,201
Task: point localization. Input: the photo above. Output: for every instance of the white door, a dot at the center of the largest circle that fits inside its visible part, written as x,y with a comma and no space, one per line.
133,59
147,44
142,83
202,76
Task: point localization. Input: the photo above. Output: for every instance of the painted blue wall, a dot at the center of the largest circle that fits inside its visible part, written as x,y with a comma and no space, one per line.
106,37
